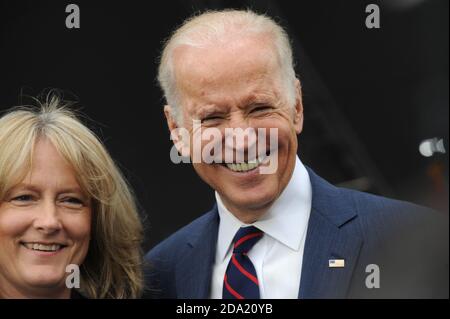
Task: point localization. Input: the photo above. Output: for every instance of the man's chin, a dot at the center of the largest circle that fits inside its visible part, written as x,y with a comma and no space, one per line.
248,202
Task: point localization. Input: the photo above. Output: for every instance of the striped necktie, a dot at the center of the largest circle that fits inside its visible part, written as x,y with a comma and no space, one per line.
241,281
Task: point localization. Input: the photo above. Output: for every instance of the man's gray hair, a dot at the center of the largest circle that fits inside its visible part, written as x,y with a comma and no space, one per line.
213,26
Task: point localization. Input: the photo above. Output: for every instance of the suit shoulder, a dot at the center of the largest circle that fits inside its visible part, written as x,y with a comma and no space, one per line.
368,203
172,244
378,212
161,261
366,206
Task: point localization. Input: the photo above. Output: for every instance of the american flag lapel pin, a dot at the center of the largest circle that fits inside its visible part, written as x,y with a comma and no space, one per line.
336,263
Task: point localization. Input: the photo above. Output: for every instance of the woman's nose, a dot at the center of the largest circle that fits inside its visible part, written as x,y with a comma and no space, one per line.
47,218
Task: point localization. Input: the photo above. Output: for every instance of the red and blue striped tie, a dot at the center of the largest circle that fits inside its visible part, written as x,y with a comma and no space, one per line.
241,281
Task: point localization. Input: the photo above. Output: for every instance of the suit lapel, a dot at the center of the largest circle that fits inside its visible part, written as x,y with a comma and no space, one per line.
194,271
324,241
331,235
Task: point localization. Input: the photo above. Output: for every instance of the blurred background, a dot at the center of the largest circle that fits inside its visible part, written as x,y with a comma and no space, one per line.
376,100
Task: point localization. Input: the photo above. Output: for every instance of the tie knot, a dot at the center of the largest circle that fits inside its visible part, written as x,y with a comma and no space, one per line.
245,239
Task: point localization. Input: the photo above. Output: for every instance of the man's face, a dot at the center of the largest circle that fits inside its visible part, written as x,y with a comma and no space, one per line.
238,85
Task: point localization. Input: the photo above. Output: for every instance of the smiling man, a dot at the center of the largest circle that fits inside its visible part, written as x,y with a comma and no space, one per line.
287,234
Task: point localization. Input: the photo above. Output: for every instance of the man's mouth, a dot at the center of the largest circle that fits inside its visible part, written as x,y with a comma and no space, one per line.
247,166
45,247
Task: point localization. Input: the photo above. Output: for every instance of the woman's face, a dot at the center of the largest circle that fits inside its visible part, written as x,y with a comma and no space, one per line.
45,225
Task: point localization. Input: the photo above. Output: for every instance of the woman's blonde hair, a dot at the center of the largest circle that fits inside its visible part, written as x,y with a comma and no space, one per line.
113,265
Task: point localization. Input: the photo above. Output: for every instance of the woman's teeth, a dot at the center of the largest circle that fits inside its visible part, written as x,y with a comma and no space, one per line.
245,167
42,247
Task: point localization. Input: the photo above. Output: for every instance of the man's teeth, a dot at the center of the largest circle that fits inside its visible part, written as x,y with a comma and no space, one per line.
245,167
41,247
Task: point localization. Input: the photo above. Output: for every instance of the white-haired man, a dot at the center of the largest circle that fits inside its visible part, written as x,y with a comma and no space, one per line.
287,234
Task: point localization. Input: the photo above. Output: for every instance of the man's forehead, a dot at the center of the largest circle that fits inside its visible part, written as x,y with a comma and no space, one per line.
221,58
199,75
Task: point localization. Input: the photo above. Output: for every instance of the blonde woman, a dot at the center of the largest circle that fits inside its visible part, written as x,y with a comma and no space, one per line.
64,206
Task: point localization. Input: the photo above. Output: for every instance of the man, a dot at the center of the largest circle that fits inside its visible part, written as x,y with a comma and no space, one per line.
287,233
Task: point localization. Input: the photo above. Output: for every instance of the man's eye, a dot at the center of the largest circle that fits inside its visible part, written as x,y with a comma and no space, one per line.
261,109
211,118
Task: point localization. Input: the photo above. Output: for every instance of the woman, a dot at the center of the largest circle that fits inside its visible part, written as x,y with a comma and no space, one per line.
68,221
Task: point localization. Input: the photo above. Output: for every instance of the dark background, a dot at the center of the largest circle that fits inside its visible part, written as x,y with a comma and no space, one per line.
370,95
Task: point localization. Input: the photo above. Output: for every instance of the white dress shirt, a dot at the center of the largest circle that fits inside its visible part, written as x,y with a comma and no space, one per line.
278,255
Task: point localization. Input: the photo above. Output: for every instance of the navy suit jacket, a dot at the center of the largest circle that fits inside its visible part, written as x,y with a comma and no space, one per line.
408,244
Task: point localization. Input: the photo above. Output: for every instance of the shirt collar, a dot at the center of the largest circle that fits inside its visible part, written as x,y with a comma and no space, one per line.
285,221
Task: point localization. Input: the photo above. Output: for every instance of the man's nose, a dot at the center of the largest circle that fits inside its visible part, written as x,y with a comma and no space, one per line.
241,136
238,120
47,220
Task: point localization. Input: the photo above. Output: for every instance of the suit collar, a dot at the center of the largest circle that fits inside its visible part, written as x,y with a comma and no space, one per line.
330,202
285,221
194,270
330,235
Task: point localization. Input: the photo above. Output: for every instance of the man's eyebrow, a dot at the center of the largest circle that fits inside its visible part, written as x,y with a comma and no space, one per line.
256,101
259,103
208,110
258,98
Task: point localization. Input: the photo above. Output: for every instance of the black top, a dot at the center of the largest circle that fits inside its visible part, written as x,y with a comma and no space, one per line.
76,295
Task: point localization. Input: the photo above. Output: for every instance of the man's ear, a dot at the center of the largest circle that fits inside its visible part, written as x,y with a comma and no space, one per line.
298,111
179,135
171,122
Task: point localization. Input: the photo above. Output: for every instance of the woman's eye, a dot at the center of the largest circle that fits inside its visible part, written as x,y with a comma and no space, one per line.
23,198
73,201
